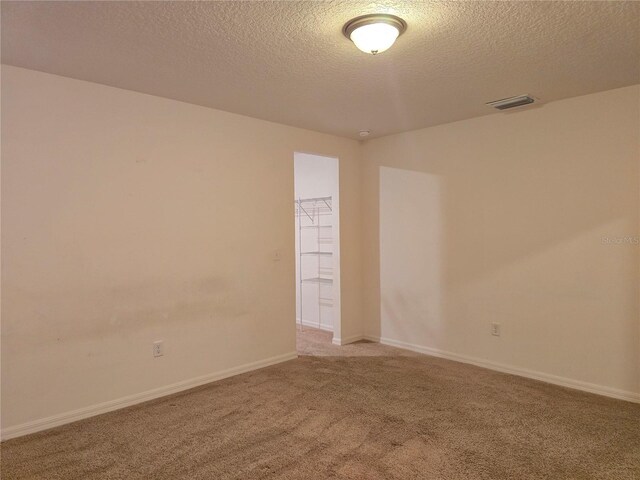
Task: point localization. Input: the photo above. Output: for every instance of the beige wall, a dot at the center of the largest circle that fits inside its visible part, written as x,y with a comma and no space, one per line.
503,219
128,218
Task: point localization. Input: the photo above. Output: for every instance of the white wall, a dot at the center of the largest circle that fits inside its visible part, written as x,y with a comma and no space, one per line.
315,177
503,219
128,218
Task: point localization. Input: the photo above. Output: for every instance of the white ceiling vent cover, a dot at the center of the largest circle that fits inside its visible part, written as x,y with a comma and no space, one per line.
511,102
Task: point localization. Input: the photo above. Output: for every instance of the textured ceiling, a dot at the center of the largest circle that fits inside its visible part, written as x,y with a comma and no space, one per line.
288,61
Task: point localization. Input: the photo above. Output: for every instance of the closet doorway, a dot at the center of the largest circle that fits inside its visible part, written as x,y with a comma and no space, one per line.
317,244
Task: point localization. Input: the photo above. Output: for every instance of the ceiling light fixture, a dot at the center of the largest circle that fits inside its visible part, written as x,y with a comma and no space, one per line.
374,33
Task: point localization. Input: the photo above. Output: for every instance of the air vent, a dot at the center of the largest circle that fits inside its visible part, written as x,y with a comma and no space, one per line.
511,102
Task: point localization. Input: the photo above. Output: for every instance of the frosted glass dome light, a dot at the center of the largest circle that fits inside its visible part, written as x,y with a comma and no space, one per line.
374,33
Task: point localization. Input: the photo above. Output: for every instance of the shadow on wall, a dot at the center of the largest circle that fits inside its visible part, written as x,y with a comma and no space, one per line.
411,239
522,233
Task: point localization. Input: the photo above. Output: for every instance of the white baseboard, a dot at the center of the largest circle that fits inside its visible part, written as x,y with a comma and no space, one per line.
86,412
323,326
90,411
499,367
347,340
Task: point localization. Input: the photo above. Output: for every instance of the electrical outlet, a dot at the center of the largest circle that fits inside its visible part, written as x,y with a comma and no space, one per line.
495,329
158,348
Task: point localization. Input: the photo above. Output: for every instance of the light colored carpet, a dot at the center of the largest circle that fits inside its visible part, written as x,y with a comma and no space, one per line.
363,411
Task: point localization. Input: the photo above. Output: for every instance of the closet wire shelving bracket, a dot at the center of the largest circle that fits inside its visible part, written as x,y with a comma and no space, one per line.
312,209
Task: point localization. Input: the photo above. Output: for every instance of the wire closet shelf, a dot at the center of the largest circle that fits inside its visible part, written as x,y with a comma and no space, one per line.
315,213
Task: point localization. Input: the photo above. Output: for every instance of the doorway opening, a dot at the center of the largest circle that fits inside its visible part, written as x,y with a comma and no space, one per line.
317,244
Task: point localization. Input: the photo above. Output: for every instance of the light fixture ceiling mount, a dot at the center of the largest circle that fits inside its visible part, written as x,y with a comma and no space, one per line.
374,33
